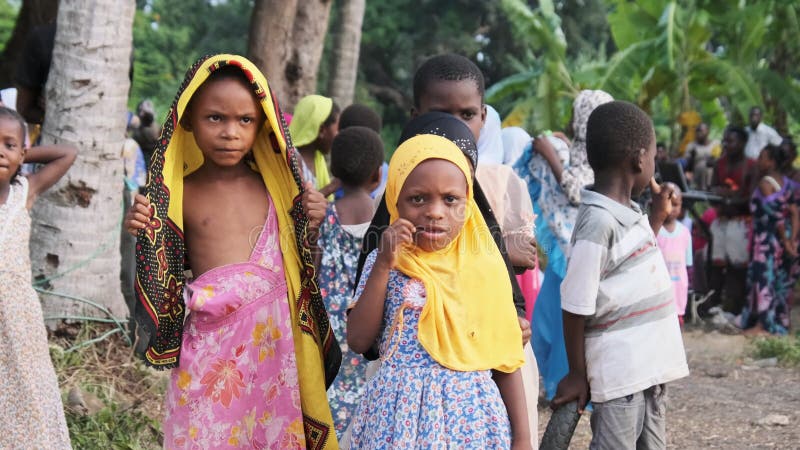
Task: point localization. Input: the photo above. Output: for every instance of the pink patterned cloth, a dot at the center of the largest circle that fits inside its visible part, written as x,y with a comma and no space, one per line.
237,385
676,246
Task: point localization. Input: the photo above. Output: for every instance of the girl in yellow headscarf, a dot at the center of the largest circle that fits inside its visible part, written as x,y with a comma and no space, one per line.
449,353
315,123
224,196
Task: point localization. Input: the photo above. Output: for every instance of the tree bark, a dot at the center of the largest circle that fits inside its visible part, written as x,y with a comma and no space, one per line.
32,13
286,41
76,225
346,48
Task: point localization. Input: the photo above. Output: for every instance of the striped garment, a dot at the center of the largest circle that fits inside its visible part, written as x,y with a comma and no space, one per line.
617,278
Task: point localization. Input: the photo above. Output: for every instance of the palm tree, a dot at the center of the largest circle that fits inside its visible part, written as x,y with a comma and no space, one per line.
346,47
76,225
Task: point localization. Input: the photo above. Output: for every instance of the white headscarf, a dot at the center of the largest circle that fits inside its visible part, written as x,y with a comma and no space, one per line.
490,142
514,141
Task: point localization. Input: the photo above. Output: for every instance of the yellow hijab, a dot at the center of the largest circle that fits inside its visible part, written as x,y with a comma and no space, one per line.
309,114
160,282
467,323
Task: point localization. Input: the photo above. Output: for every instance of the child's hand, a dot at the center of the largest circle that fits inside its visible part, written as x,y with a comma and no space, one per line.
138,216
525,327
314,205
400,233
662,201
574,386
521,250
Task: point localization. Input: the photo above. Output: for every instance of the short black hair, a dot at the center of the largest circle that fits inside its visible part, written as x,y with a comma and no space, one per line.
739,131
615,132
357,115
779,154
8,113
447,67
356,154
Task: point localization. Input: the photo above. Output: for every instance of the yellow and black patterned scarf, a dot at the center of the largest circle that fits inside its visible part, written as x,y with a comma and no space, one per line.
160,249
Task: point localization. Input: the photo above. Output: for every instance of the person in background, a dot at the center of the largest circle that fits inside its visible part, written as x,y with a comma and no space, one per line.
32,71
759,135
675,242
774,239
357,115
701,154
734,179
515,139
148,130
356,157
315,123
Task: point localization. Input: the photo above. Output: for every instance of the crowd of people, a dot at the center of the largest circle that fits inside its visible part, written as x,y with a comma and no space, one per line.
307,294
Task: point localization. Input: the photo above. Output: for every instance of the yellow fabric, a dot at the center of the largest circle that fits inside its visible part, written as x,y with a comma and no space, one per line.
467,324
183,157
688,120
321,169
309,114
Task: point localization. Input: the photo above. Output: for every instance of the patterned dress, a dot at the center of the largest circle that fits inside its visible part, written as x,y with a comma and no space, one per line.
768,279
237,384
337,278
32,413
413,401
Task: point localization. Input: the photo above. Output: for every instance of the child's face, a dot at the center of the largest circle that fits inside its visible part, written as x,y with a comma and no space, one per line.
677,205
434,199
647,167
327,135
765,164
459,98
12,151
225,119
732,144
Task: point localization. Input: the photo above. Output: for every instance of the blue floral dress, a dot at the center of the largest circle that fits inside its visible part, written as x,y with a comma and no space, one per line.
769,277
337,278
413,401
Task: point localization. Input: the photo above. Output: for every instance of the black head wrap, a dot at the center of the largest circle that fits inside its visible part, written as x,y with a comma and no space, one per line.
448,126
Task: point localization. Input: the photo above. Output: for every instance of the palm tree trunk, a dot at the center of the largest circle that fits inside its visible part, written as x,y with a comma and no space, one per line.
286,41
346,47
76,225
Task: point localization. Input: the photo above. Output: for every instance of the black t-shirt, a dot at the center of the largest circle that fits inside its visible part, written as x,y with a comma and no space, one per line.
34,62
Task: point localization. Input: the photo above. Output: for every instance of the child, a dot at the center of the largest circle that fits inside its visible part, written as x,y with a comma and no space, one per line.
34,415
357,115
356,159
253,357
436,262
623,342
774,244
675,242
314,125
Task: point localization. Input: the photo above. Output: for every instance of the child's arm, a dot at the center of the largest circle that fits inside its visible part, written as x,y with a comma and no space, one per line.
57,159
575,386
513,394
314,204
364,320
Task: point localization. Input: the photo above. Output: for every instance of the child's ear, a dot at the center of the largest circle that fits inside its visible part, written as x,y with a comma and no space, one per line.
375,180
414,112
483,113
638,160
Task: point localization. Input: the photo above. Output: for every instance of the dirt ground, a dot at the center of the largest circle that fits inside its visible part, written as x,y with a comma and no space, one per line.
720,404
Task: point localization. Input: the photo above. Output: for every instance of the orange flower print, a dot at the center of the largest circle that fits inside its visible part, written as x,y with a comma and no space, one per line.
264,337
223,382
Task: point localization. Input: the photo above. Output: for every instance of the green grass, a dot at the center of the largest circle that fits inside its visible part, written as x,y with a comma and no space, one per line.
122,396
785,348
